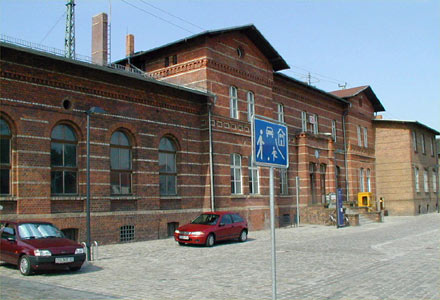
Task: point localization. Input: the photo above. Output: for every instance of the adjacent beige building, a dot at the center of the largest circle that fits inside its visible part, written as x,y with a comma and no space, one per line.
407,168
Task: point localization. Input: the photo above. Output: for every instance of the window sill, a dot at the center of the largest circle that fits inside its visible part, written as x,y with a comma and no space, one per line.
123,197
64,198
8,198
238,196
171,197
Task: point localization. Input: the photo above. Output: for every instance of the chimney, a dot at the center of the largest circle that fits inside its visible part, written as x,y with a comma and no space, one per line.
129,45
99,39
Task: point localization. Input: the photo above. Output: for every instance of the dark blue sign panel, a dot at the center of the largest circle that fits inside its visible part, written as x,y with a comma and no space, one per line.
340,209
270,144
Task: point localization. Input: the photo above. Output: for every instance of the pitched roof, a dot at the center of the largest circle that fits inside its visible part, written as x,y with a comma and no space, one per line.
412,122
349,93
250,31
334,97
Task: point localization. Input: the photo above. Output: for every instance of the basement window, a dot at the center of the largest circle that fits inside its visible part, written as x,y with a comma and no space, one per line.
126,233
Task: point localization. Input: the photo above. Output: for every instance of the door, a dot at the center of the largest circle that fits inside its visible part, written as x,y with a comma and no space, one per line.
322,181
225,230
8,244
312,183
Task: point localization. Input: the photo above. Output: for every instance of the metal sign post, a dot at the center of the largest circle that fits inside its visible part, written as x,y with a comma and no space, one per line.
270,144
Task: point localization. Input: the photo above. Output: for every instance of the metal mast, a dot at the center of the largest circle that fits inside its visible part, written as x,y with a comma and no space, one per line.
69,41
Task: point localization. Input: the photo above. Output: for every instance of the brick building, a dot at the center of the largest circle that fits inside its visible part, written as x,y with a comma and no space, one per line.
175,137
407,167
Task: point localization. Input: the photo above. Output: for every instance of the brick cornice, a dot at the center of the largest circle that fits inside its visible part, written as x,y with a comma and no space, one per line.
94,91
209,63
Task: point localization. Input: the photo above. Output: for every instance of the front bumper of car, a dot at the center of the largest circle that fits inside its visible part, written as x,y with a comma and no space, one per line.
57,261
190,238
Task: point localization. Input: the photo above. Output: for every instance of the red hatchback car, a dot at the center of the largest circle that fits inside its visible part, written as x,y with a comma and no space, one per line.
36,246
211,227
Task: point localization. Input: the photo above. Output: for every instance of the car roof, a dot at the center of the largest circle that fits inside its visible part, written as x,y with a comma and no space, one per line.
220,213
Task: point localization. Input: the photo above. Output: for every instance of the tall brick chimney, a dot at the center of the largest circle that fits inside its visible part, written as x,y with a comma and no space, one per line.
100,39
129,45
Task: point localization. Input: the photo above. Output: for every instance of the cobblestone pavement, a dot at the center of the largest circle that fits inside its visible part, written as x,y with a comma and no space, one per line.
398,259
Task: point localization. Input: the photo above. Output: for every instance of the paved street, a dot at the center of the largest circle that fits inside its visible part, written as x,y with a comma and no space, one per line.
398,259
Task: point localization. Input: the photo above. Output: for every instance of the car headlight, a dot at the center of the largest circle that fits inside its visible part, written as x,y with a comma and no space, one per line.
79,251
177,231
197,233
39,252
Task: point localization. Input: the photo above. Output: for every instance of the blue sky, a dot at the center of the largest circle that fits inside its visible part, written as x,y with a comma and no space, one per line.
392,45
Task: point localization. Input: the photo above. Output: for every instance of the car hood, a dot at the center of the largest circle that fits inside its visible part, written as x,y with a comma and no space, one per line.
54,245
195,227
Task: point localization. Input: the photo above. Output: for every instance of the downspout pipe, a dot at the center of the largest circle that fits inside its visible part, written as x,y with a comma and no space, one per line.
347,194
211,153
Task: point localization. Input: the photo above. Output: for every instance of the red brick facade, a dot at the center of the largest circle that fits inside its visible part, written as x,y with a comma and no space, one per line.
36,86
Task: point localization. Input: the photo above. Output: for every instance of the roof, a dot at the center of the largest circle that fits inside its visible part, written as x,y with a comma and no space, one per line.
278,63
411,122
340,99
349,93
105,69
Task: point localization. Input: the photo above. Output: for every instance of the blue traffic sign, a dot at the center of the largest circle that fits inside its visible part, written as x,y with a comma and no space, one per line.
270,144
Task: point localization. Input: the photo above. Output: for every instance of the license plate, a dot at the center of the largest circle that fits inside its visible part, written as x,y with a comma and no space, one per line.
183,237
63,260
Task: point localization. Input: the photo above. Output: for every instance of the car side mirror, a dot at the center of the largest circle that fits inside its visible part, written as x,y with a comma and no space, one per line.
221,224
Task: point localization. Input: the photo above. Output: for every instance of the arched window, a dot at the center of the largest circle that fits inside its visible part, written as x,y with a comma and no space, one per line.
233,102
251,105
120,164
5,158
64,170
167,168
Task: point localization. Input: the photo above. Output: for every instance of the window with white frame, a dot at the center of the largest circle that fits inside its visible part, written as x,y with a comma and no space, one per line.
233,102
432,146
368,180
251,105
361,180
254,186
334,130
359,135
304,121
167,167
365,137
414,136
283,182
434,181
280,112
416,179
235,173
425,181
423,143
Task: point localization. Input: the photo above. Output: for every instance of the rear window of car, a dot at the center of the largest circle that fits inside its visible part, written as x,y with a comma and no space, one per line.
236,218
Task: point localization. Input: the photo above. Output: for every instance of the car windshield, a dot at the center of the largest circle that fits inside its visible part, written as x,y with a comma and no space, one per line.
206,219
39,231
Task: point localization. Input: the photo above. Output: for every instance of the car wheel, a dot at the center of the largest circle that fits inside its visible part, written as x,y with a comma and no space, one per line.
74,269
243,236
25,265
210,240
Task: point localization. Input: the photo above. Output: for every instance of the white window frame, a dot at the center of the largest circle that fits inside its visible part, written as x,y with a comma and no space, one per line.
365,137
359,135
434,181
423,143
361,180
369,180
304,121
425,181
251,105
236,182
280,112
416,179
432,146
233,95
284,183
334,134
414,136
254,177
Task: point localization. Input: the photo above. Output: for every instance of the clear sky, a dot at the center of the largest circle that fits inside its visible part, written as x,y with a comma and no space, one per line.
393,45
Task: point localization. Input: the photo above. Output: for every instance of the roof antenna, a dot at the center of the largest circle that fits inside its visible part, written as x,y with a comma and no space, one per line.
343,86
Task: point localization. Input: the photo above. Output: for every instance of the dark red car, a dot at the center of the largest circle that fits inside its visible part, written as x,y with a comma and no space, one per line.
36,246
211,227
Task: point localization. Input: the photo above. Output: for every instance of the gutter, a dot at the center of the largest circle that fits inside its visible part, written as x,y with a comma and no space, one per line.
347,195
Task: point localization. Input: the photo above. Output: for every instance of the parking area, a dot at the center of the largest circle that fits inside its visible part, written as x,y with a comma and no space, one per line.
398,259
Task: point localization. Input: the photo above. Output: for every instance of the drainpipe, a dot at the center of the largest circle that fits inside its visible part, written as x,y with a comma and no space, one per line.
344,114
211,154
